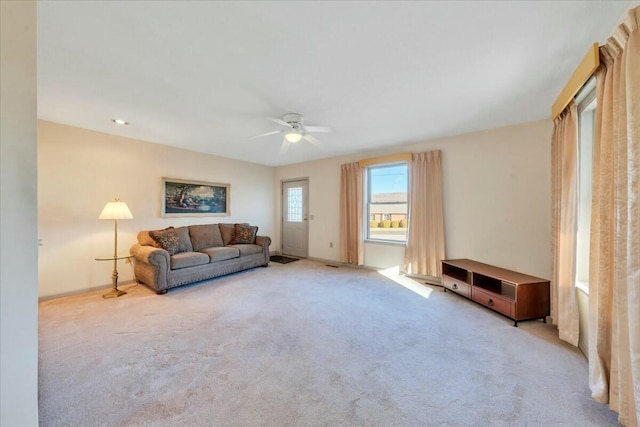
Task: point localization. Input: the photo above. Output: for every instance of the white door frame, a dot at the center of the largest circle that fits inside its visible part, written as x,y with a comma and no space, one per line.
282,211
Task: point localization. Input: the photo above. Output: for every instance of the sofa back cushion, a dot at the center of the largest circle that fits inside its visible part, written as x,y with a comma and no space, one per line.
185,239
173,240
205,236
228,232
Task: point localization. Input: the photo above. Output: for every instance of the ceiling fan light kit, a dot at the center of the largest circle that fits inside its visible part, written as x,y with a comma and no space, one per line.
293,136
295,131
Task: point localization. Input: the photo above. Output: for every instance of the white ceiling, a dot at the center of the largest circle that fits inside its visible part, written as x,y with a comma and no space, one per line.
206,75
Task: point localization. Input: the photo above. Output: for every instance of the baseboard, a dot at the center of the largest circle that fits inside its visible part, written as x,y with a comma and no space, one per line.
83,291
330,262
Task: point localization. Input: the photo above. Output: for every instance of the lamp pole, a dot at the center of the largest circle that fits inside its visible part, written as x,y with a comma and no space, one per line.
115,292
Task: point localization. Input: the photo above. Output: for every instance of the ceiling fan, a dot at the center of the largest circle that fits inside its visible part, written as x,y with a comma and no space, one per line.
294,131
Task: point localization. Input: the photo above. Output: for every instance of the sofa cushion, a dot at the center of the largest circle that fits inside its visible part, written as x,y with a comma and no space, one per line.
170,240
227,231
205,236
244,234
185,239
247,249
188,259
221,253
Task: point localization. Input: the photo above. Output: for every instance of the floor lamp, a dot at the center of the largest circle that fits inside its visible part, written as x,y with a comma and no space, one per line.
115,210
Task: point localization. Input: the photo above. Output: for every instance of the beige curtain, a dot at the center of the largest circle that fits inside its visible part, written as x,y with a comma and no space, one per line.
614,276
351,242
564,175
425,236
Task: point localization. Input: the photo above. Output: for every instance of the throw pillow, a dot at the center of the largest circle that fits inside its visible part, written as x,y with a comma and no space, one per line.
168,240
245,234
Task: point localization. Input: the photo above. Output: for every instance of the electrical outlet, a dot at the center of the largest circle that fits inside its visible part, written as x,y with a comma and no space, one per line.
330,244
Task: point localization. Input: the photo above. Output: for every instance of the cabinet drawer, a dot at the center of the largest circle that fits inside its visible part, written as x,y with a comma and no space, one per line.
457,286
494,302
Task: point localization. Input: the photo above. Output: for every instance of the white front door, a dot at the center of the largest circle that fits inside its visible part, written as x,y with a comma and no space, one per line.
294,218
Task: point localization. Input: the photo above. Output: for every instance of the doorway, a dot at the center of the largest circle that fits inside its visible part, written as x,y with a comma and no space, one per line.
295,224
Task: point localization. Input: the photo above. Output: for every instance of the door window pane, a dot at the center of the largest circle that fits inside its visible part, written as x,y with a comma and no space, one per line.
294,207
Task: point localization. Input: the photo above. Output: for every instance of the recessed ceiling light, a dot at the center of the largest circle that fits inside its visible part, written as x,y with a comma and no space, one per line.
120,122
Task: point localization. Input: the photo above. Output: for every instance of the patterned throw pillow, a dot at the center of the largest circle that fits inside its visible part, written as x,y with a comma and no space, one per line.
245,234
169,240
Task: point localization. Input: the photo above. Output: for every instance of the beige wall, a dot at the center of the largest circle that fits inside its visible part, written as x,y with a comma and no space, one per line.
18,210
496,198
80,170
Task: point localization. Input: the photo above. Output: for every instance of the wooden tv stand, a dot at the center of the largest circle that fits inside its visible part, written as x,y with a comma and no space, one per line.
515,295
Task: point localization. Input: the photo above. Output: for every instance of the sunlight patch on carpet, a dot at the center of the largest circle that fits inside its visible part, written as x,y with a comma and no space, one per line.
393,273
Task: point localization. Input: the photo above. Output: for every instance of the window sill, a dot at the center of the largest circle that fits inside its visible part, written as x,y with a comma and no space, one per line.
385,242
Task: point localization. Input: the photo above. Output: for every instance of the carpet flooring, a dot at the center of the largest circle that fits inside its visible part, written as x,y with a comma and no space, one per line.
304,345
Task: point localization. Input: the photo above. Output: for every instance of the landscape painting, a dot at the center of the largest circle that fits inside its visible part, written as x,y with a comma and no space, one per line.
194,198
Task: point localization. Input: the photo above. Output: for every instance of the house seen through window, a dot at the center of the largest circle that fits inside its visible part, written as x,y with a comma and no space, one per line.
386,202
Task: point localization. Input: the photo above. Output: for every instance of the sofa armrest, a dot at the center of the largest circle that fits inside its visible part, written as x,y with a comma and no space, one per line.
150,255
152,266
264,241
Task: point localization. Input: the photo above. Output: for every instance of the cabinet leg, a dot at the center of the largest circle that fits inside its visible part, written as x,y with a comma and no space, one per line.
544,320
445,289
515,323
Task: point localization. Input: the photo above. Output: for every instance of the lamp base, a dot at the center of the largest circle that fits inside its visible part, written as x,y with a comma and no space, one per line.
114,293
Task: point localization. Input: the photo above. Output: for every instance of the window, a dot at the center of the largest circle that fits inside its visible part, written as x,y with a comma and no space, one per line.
386,202
586,130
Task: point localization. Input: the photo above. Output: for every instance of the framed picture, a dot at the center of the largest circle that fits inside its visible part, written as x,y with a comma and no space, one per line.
194,198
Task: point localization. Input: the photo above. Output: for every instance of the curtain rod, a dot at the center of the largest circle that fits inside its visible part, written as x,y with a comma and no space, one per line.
580,76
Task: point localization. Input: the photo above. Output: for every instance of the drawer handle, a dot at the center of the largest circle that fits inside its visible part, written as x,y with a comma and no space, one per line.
454,286
490,303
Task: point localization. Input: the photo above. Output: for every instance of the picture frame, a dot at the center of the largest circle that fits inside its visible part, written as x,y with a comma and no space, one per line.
194,198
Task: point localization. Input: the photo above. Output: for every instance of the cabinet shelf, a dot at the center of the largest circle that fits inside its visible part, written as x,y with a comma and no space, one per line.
515,295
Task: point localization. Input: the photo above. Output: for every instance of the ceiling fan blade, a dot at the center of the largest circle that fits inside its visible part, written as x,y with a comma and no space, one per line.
280,122
285,146
312,140
266,134
317,128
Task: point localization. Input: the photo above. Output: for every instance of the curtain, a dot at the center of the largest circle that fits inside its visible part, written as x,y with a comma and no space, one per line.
425,235
351,242
614,265
564,192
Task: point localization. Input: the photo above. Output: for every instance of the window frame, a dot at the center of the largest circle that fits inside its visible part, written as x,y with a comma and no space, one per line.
586,101
367,204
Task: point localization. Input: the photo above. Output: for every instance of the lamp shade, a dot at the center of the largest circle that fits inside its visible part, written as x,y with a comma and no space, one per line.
116,210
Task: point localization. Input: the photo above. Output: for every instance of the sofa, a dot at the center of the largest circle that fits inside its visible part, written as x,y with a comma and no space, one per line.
171,257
